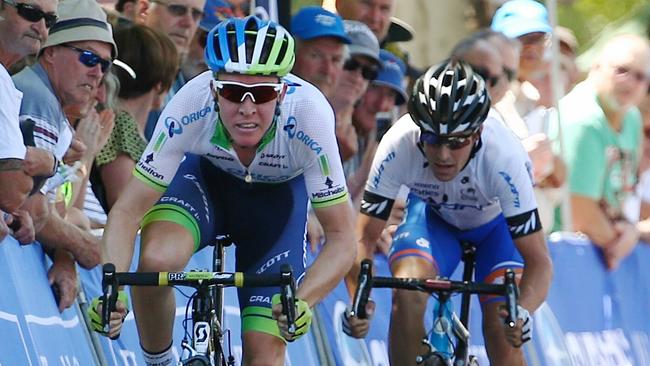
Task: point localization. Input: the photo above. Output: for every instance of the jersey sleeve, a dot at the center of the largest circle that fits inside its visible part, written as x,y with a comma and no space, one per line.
172,138
393,159
12,146
510,180
389,169
314,139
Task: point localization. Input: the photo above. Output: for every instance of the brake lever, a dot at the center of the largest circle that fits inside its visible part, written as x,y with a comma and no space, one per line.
512,297
362,293
109,296
288,297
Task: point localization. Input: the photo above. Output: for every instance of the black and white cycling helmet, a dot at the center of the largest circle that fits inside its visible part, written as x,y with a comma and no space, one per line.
449,98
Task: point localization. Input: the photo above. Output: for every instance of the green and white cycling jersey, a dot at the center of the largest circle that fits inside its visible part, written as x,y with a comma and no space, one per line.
302,141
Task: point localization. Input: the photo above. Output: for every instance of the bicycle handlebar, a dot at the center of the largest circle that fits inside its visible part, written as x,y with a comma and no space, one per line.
367,282
111,281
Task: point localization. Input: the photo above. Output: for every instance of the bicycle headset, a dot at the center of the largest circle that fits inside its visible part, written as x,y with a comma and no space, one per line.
449,98
250,46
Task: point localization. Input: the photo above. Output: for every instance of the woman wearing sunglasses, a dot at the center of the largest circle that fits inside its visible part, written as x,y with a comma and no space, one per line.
241,149
470,180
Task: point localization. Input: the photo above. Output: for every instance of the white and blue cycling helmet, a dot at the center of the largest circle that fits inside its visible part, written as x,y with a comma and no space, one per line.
449,98
250,46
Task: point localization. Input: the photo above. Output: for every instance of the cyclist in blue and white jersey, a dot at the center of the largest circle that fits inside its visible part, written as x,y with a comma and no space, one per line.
241,149
469,180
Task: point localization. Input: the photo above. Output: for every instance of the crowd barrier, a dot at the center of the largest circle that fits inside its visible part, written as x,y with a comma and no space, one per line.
591,317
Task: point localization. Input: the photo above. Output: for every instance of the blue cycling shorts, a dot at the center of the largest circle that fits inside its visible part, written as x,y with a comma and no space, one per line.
267,223
424,234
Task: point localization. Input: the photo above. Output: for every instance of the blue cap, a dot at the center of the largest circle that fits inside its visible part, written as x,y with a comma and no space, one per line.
314,21
516,18
214,12
392,75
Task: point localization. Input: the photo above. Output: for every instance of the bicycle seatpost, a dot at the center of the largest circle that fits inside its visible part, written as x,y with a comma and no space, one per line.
288,296
109,295
362,294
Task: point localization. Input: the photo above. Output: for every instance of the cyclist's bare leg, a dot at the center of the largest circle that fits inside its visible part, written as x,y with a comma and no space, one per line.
165,246
406,321
499,351
262,349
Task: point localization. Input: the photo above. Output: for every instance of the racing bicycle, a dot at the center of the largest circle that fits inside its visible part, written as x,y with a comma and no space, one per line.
205,345
448,340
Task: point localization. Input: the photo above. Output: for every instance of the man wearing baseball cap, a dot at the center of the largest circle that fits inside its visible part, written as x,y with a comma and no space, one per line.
384,93
70,67
320,47
360,67
527,21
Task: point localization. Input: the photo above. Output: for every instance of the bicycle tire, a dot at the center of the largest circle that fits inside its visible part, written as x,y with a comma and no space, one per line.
196,361
435,360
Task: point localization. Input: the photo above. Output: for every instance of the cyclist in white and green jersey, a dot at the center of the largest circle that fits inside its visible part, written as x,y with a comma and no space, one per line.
242,150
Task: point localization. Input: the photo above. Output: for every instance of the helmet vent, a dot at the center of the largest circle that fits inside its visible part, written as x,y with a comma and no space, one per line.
232,43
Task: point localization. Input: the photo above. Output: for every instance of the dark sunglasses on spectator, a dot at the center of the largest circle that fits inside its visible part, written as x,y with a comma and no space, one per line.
510,73
491,80
626,71
453,142
180,10
236,92
368,72
89,58
32,14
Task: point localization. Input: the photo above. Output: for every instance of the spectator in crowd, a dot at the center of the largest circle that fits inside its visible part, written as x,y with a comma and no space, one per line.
383,95
485,60
70,67
92,127
360,67
508,50
390,31
526,21
19,37
568,52
132,11
179,20
194,63
154,59
320,47
376,14
602,144
524,107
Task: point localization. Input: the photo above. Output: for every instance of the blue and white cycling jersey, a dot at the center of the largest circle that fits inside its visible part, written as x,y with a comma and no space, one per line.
497,179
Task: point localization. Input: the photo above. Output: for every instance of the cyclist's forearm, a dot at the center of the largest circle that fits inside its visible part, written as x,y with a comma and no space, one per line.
334,260
538,271
119,238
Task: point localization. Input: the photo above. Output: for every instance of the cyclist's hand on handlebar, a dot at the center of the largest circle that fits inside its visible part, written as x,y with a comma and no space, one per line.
303,318
357,327
116,319
523,330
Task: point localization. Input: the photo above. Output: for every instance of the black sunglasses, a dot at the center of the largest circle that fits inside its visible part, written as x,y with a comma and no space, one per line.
32,14
236,92
453,142
89,58
510,73
368,72
180,10
490,79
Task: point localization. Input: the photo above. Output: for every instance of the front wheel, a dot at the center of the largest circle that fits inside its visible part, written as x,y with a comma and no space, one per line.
197,361
434,360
